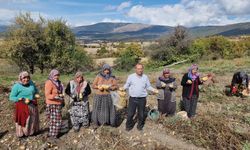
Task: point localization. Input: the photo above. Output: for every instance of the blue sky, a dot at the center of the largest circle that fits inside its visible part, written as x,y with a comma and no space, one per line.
161,12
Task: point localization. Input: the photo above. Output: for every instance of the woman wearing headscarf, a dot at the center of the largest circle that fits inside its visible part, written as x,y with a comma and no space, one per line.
78,91
23,93
103,109
54,101
166,97
190,92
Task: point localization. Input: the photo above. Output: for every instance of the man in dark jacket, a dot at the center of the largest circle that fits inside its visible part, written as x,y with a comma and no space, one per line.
239,82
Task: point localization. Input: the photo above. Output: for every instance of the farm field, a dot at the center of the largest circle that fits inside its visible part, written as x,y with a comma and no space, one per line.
222,122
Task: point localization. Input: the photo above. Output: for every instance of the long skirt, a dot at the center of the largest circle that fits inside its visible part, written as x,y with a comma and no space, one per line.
32,123
79,114
166,107
104,112
168,104
54,115
190,105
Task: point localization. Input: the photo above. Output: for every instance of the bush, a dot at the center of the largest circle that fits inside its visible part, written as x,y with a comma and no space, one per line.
129,57
81,61
171,49
102,51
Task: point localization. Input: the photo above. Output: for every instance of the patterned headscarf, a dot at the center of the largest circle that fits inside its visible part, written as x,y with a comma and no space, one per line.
193,76
106,67
166,80
79,85
22,75
166,71
57,83
78,74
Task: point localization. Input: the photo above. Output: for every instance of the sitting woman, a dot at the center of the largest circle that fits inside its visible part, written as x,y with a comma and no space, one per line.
78,91
24,95
166,97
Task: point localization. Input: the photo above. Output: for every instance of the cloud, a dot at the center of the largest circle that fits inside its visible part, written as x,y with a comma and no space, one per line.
236,7
124,5
113,20
188,13
18,1
120,7
7,15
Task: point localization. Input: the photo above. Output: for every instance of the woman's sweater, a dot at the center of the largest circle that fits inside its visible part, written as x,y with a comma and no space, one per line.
189,90
51,92
22,91
99,80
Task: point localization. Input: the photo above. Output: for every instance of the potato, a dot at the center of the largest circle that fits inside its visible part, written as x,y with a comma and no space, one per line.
122,94
61,95
171,85
37,96
105,87
163,84
155,91
27,101
205,78
189,81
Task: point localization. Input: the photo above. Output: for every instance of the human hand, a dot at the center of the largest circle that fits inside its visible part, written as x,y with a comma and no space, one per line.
155,91
163,84
171,85
61,95
26,101
20,99
189,82
58,98
100,88
106,87
121,89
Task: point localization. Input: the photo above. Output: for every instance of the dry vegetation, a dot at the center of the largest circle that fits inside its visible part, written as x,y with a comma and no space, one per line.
222,122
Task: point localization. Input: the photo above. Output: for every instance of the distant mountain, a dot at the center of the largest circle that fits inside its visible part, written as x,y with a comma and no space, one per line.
120,31
137,31
226,30
3,28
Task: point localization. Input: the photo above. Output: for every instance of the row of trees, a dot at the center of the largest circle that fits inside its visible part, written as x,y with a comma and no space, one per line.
180,46
44,44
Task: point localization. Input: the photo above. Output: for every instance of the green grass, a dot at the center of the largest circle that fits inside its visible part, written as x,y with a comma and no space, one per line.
9,72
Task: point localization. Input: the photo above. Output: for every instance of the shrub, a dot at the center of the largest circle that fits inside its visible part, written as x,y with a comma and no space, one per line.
129,57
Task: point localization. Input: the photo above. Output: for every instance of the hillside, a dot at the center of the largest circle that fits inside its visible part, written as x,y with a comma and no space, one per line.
130,31
137,31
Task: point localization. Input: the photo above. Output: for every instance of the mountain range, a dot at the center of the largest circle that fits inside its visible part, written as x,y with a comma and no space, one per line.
137,31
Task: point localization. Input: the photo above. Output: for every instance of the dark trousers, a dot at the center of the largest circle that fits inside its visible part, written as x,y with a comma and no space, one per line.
138,103
190,105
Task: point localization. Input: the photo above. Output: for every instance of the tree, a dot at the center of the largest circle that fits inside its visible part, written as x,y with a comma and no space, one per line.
172,47
81,61
24,40
129,57
44,44
61,44
102,51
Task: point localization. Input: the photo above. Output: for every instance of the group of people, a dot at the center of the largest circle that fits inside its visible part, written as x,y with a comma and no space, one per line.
25,95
